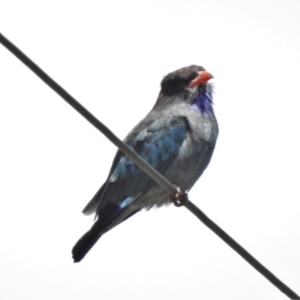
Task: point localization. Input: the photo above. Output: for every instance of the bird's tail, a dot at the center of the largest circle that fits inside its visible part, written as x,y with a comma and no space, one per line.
102,225
84,245
111,216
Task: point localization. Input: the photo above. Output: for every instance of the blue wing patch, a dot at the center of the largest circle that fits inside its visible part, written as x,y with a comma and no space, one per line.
158,145
158,142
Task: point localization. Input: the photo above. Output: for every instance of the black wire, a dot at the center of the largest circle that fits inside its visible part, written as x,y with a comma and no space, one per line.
148,169
241,251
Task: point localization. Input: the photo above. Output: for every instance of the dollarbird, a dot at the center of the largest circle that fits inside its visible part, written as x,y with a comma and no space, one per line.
177,138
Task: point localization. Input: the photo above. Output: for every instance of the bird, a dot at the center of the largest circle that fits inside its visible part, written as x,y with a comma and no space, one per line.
177,138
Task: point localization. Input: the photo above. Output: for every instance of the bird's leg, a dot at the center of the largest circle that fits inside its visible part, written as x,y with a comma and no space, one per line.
179,198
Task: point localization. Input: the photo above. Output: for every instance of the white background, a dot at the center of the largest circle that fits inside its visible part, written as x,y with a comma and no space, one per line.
111,56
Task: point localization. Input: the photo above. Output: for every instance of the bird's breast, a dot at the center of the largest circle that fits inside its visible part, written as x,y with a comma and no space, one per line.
202,125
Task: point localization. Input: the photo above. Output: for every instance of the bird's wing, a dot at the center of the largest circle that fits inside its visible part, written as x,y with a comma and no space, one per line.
158,143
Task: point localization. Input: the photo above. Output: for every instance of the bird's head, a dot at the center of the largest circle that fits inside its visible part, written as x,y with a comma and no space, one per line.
189,84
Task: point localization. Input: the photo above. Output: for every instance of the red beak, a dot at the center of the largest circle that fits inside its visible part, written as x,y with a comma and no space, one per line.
202,78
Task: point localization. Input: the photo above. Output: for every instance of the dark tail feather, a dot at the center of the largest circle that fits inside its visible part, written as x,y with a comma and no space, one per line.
88,240
110,216
84,245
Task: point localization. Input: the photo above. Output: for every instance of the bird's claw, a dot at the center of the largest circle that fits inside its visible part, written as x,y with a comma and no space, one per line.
179,198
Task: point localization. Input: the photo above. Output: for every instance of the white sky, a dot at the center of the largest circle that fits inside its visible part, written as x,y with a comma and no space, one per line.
111,56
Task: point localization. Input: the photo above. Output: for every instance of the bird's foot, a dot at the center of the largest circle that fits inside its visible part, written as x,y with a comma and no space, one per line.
179,198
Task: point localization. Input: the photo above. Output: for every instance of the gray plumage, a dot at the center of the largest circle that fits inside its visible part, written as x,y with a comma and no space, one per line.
177,138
